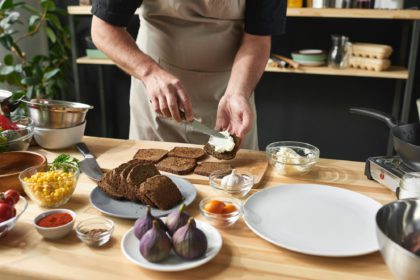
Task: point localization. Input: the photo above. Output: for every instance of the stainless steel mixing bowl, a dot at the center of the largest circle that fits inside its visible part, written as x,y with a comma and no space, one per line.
57,113
394,222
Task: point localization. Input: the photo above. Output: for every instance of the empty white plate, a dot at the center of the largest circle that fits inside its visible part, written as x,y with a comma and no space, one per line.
130,247
314,219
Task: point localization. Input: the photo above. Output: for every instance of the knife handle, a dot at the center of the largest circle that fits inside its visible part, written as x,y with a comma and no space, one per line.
83,149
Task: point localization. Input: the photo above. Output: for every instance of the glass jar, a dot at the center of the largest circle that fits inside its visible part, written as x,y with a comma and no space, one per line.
409,186
340,52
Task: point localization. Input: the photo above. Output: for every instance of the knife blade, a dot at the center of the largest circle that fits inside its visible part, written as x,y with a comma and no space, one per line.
89,166
205,129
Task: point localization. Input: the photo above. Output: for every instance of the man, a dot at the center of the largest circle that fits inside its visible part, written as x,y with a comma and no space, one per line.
203,57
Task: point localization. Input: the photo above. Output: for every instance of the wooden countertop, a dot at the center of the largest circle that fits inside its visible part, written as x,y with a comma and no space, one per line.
25,255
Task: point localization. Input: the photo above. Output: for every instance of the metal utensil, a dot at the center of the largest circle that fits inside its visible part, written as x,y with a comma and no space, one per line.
89,166
394,222
205,129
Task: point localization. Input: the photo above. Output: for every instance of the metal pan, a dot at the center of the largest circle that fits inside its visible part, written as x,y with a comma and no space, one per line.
406,137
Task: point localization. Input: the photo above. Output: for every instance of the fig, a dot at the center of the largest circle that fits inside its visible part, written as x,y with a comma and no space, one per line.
155,244
189,242
176,220
142,225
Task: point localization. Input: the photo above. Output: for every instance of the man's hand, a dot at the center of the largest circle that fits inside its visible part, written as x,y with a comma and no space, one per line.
234,114
167,95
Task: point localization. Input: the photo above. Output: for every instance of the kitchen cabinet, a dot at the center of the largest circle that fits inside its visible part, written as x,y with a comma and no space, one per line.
404,76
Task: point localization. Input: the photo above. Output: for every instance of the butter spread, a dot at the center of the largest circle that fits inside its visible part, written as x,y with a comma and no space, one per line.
289,162
222,145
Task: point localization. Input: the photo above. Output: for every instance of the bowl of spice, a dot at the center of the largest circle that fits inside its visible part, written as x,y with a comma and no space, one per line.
95,231
55,224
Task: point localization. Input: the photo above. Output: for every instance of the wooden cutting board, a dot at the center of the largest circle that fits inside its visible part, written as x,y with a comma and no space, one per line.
245,161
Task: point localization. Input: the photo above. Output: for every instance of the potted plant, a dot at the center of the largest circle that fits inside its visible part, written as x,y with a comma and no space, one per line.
41,75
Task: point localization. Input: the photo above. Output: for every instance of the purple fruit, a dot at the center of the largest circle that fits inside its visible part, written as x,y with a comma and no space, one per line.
155,244
142,225
189,242
176,220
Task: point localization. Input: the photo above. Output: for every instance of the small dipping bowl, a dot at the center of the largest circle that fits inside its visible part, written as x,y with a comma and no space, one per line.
54,233
221,220
239,189
95,231
292,158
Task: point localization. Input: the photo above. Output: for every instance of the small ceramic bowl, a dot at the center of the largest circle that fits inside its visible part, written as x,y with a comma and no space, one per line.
238,188
221,220
95,231
292,158
59,138
12,163
8,225
53,233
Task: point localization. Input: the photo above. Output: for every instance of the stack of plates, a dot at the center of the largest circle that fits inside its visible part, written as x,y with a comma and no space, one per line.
310,57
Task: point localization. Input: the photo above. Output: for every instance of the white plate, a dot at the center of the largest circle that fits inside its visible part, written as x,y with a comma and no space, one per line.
314,219
130,247
133,210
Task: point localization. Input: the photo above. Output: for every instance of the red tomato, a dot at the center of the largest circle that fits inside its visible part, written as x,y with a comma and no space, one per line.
12,194
7,124
6,212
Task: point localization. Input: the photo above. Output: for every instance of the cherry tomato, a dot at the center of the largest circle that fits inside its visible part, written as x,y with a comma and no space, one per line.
7,124
6,212
12,194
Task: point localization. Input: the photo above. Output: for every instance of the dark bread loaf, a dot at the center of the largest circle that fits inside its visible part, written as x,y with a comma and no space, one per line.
107,185
187,152
138,174
153,155
206,168
161,191
176,165
209,149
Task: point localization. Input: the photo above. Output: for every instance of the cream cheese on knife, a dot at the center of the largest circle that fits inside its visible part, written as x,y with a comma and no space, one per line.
222,145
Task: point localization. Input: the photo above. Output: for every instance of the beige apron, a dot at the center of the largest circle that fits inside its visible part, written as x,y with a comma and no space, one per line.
195,40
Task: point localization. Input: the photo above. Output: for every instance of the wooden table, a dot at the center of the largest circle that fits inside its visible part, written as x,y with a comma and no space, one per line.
26,255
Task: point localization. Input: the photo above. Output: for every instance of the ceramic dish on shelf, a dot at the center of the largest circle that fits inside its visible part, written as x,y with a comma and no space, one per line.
314,219
133,210
310,57
130,247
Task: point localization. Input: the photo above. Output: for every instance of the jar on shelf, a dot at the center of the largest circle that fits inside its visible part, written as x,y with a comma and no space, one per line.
340,52
294,3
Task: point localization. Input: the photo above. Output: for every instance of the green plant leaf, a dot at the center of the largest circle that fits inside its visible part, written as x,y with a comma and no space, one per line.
50,74
27,81
6,4
48,5
8,59
51,35
6,70
33,21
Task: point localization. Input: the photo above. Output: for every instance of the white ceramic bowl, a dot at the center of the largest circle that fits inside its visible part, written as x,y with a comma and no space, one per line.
54,232
59,138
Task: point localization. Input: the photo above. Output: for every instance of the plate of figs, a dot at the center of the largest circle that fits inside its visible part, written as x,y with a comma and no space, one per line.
174,243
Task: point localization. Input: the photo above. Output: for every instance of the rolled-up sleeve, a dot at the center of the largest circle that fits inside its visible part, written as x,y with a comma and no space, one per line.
115,12
265,17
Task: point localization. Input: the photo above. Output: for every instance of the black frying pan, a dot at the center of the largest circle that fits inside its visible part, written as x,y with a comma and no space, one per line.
406,137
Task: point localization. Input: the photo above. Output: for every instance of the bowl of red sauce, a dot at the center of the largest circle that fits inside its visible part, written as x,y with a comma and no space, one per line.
55,224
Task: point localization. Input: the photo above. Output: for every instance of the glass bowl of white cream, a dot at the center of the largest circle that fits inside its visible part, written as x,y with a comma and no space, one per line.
234,182
292,158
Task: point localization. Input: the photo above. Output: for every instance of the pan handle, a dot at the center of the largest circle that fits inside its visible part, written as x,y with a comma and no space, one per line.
379,115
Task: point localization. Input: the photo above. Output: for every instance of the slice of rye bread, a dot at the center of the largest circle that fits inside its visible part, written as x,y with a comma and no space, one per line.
209,149
176,165
138,174
128,189
153,155
107,185
206,168
187,152
121,173
161,191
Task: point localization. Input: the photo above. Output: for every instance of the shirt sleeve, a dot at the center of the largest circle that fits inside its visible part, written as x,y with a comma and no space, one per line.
115,12
265,17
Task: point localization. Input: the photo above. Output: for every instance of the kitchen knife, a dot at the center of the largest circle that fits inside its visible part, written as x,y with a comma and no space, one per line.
204,129
89,166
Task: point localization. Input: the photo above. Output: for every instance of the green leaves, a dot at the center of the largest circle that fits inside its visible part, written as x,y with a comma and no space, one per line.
42,75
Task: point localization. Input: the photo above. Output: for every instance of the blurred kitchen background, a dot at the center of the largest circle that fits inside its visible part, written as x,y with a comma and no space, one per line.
307,108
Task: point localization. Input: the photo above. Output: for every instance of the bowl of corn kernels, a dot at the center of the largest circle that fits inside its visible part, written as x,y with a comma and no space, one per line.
51,185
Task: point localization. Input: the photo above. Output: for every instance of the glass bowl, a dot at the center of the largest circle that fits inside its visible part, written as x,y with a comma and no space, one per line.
54,188
17,140
221,220
292,158
95,231
8,225
57,232
238,187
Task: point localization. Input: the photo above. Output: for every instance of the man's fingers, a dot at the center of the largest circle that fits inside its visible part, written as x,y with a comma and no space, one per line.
185,103
173,107
163,105
246,124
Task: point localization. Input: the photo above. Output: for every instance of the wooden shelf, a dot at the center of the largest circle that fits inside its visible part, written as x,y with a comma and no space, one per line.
97,61
311,12
394,72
